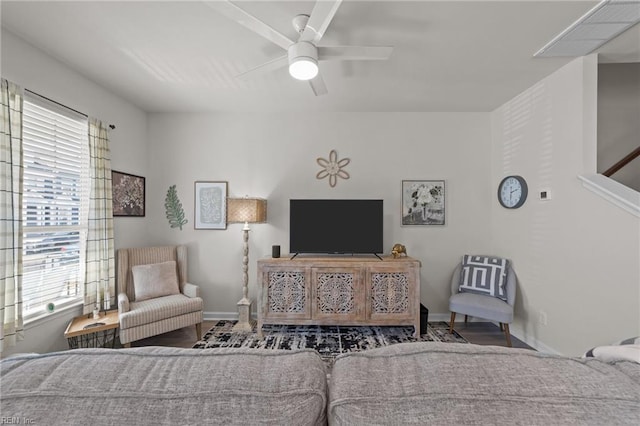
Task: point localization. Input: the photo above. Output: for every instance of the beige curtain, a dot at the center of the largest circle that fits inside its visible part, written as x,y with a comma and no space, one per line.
11,329
100,263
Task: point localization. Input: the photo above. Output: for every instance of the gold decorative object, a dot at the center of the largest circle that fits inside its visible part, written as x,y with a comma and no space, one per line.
398,250
332,168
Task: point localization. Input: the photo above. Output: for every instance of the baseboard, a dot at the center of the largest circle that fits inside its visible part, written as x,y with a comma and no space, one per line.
532,341
439,317
213,316
447,317
515,331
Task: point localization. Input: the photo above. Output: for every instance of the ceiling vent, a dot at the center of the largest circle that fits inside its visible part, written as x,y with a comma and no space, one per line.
602,23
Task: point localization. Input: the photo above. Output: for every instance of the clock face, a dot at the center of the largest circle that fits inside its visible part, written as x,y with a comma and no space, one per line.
512,192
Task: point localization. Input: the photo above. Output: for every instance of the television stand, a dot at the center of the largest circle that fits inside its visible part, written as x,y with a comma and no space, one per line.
339,291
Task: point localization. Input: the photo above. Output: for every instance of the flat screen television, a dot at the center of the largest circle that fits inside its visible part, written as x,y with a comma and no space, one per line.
335,226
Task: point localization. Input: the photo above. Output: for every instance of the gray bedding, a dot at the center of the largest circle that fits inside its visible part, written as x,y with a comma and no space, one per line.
165,386
448,384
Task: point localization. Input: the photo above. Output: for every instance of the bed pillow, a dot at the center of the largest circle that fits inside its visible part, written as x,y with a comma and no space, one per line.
624,350
484,275
155,280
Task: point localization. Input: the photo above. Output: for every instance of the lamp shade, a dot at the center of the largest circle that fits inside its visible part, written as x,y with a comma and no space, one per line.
246,210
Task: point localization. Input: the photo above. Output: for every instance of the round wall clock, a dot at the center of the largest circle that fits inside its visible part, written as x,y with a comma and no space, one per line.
512,192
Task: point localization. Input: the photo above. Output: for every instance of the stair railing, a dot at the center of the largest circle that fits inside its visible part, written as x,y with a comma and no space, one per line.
620,164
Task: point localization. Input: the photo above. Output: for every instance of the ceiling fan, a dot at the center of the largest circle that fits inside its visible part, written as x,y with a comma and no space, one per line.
303,54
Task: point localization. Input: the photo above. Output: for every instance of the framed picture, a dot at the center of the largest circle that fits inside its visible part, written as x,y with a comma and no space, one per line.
210,205
128,194
423,202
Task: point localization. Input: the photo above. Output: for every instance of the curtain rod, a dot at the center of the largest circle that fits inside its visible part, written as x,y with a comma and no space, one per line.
111,126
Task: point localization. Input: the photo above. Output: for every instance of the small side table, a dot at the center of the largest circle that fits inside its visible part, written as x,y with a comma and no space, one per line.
86,332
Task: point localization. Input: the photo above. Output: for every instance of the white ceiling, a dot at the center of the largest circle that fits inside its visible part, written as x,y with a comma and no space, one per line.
183,56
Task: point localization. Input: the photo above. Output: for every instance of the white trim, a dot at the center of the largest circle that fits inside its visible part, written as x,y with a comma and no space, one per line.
37,320
613,191
532,341
442,317
212,316
515,331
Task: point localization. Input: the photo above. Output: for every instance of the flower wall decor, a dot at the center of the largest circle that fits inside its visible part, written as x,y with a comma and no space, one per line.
333,168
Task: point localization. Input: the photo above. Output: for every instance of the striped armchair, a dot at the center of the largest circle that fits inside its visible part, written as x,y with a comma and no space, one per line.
150,317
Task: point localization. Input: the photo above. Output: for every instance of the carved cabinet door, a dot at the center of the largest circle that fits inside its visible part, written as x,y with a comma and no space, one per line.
391,293
286,292
338,294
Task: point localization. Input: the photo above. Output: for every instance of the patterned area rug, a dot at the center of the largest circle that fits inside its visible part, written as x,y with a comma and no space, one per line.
329,341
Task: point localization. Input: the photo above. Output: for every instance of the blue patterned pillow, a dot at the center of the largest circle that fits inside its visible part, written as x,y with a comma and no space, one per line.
484,275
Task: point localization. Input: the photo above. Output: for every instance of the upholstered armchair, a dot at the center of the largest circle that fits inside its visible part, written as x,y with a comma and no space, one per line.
154,295
484,287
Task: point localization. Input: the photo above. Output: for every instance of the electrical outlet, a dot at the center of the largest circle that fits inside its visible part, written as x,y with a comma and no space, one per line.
542,318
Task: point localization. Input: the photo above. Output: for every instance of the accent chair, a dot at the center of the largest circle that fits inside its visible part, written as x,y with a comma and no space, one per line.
471,303
154,295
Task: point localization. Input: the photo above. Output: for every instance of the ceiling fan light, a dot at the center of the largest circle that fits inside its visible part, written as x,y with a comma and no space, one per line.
303,68
303,60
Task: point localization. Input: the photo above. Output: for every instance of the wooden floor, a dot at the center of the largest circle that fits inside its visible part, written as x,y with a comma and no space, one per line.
480,333
486,333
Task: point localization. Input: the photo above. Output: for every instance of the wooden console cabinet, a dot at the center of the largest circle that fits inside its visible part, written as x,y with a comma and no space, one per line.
339,291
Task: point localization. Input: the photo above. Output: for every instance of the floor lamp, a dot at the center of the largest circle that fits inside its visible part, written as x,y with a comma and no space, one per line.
245,210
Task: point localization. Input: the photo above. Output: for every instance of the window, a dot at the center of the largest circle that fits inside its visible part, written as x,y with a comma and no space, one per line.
55,200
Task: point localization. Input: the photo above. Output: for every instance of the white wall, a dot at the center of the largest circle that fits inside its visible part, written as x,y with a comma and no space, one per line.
32,69
274,156
577,256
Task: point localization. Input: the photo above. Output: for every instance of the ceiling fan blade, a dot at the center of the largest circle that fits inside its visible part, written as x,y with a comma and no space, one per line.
320,18
358,53
272,65
318,86
237,14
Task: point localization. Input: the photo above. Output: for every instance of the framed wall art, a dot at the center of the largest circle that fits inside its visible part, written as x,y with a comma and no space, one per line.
128,194
423,202
210,205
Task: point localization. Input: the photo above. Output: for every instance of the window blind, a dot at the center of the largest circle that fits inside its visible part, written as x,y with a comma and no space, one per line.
55,190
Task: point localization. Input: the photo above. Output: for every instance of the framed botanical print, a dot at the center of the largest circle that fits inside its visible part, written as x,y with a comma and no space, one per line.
210,205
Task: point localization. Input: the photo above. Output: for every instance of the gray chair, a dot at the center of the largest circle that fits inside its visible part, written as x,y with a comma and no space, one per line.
482,306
